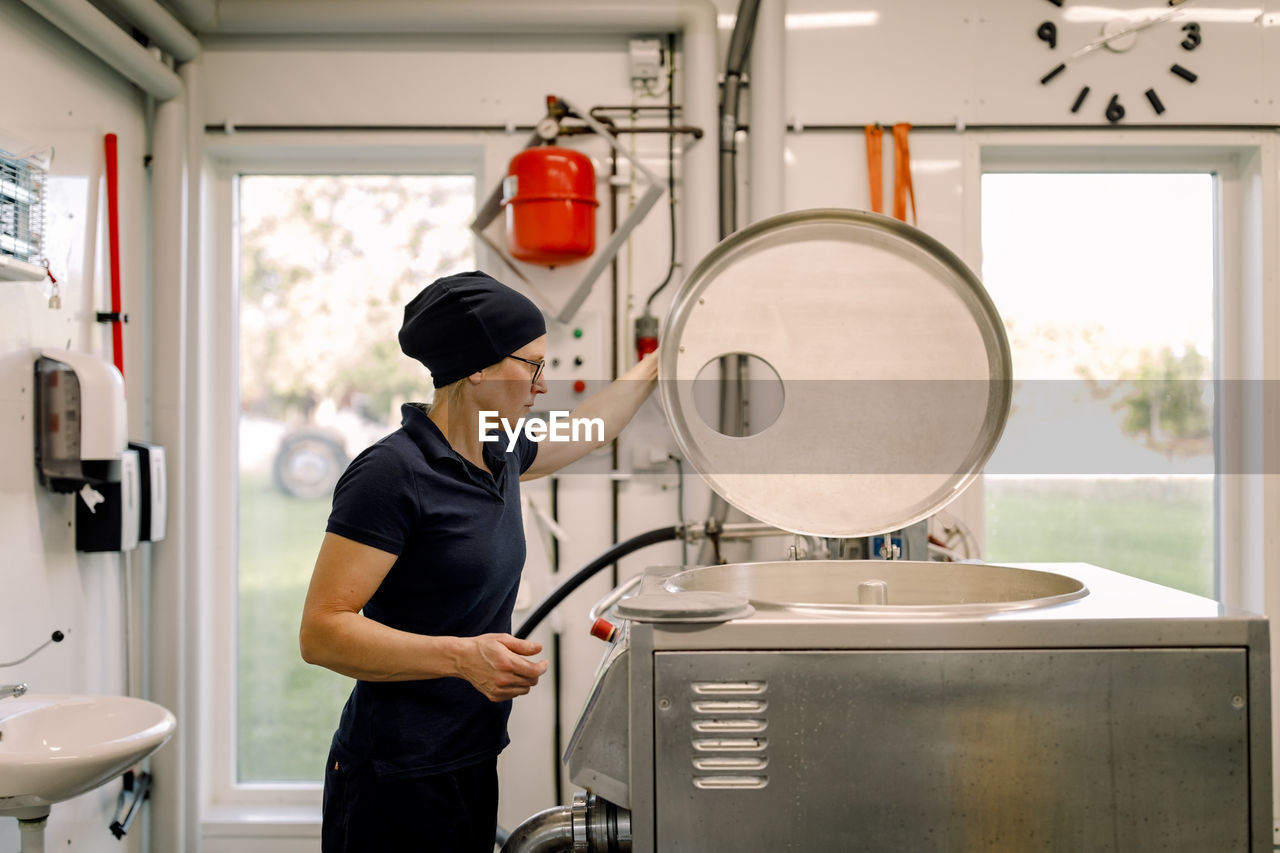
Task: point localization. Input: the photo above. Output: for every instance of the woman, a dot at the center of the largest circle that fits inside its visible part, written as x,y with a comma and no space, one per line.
414,586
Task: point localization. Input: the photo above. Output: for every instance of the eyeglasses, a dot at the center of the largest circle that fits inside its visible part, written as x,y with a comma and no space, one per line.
538,365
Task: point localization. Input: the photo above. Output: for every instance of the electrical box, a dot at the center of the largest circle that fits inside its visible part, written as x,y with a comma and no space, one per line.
576,363
152,492
646,61
107,513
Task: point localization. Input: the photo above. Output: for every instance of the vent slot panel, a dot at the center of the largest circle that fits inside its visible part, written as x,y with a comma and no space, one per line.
730,783
726,757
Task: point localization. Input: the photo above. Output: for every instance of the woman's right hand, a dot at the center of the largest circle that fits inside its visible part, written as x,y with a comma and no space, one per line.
497,665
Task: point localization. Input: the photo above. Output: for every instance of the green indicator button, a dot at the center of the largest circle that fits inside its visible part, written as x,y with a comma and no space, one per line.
577,333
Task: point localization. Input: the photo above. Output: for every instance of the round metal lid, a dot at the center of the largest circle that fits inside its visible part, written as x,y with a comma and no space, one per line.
700,606
880,378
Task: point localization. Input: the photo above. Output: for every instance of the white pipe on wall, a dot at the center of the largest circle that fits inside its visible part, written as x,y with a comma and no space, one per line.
170,404
459,16
766,143
164,30
768,138
199,15
82,22
201,569
694,19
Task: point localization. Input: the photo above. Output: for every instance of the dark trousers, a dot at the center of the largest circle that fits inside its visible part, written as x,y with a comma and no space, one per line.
453,812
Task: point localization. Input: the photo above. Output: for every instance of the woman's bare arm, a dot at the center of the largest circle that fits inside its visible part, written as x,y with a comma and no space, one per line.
337,636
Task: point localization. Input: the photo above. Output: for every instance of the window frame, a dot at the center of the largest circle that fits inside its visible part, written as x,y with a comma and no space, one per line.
1236,161
1246,334
227,158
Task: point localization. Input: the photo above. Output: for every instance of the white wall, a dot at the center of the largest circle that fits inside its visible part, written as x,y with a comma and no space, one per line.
58,95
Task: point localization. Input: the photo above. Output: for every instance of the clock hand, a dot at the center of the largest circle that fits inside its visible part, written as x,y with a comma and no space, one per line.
1138,27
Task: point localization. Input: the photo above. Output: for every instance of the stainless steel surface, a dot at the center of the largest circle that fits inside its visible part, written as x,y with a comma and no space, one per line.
1053,750
873,592
893,361
1135,718
613,597
599,826
549,831
1118,611
703,606
640,728
734,530
12,690
882,586
597,755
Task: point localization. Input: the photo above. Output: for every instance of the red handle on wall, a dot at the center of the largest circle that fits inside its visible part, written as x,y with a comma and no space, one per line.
113,241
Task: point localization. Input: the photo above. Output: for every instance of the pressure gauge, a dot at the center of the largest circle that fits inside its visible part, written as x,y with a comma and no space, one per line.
547,128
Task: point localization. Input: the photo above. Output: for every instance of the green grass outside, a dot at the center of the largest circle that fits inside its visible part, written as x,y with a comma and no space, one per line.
1157,530
287,709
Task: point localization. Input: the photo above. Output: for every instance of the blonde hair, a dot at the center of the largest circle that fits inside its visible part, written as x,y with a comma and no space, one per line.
451,394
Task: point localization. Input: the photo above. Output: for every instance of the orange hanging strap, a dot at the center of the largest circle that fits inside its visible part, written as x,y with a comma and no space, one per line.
902,174
875,176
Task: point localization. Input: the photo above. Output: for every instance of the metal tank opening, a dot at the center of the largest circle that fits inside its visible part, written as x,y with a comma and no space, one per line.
883,586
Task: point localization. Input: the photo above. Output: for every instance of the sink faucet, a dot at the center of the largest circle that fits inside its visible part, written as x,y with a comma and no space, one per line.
14,690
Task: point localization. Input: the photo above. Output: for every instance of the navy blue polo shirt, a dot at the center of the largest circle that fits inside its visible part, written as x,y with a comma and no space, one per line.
459,538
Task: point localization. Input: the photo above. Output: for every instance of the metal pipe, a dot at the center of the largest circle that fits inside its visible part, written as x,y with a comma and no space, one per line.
739,47
453,16
31,834
599,826
767,109
95,31
164,30
735,530
768,112
166,586
733,392
200,15
549,831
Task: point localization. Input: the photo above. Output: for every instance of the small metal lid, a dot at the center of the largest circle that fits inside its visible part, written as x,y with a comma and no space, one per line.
880,379
701,606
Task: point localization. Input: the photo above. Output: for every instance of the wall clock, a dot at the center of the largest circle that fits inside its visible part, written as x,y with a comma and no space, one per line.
1169,35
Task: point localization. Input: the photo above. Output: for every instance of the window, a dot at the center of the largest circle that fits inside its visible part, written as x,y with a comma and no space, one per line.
1106,283
326,264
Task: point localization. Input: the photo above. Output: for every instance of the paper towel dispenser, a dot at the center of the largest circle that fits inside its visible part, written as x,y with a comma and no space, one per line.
80,420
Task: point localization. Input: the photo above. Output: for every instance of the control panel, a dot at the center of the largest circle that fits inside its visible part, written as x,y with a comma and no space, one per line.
577,363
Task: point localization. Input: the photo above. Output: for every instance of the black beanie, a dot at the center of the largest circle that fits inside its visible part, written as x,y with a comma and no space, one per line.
465,322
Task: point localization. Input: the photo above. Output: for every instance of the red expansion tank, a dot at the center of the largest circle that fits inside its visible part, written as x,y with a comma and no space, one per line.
550,199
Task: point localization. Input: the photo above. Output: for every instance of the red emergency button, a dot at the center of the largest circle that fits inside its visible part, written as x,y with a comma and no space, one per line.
603,629
579,386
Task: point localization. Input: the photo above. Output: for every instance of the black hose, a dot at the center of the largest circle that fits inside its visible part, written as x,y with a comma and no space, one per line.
617,552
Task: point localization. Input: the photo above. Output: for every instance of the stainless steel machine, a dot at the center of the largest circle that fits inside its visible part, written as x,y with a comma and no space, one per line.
895,705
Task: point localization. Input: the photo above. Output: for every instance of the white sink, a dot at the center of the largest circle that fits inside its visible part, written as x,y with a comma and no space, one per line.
53,748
